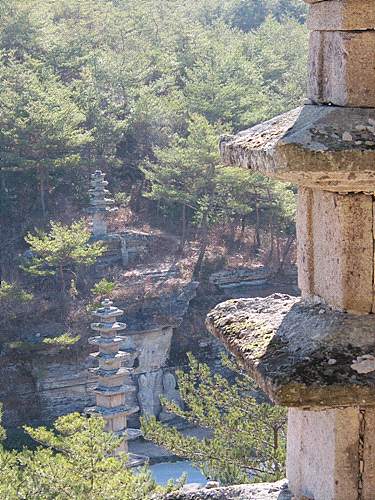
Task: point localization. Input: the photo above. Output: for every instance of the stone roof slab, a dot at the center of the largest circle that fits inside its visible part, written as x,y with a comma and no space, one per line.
302,355
325,147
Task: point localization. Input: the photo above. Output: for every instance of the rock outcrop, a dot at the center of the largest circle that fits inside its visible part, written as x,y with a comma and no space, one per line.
261,491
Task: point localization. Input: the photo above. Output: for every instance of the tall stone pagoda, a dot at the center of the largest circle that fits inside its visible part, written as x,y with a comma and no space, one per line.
316,355
100,206
113,387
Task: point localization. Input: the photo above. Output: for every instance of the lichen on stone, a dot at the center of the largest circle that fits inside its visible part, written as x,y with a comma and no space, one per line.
287,346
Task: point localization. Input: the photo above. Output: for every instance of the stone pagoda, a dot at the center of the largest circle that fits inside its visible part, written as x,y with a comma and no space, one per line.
112,391
316,355
101,205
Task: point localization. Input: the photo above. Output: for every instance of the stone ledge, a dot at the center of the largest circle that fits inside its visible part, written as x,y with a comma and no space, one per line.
325,147
258,491
300,354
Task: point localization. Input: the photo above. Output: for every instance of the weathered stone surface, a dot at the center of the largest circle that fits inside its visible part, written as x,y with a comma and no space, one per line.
341,15
335,248
259,491
150,390
330,453
323,460
300,354
326,147
341,69
171,393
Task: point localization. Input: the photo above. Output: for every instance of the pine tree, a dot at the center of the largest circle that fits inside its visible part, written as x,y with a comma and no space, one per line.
61,250
185,170
247,441
40,125
73,460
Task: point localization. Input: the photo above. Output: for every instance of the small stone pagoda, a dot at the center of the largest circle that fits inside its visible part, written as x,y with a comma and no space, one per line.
112,391
316,355
101,205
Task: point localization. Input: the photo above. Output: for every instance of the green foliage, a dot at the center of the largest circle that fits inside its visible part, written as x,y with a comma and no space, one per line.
40,123
180,175
121,198
247,438
61,250
103,288
188,173
74,461
65,339
72,100
11,293
14,301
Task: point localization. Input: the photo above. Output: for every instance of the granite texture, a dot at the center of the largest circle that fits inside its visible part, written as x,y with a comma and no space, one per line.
301,354
325,147
259,491
342,15
341,68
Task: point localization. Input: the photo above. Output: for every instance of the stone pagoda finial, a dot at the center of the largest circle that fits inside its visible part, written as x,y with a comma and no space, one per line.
112,389
100,205
316,355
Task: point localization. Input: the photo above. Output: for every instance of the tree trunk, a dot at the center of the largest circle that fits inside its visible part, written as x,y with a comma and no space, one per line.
257,227
278,257
42,190
276,446
272,229
135,196
183,233
287,248
243,226
62,279
205,222
233,228
272,245
203,248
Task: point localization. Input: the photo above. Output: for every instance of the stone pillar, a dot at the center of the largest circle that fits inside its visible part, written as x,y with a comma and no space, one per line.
112,390
327,148
328,451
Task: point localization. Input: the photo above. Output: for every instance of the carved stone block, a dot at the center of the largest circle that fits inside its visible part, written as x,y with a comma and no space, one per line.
335,248
342,15
342,68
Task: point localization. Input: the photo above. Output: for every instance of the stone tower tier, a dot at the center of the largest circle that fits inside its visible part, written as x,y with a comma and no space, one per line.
303,355
108,328
107,346
119,411
110,361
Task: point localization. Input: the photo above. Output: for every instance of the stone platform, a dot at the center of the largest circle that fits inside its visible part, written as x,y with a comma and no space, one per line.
300,354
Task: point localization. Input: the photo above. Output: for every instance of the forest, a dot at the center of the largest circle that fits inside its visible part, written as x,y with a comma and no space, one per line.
142,90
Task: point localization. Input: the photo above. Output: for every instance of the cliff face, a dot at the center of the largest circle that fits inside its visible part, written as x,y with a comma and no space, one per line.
40,382
39,386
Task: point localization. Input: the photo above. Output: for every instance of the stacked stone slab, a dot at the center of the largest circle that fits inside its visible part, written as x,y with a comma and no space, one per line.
101,205
113,386
316,355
